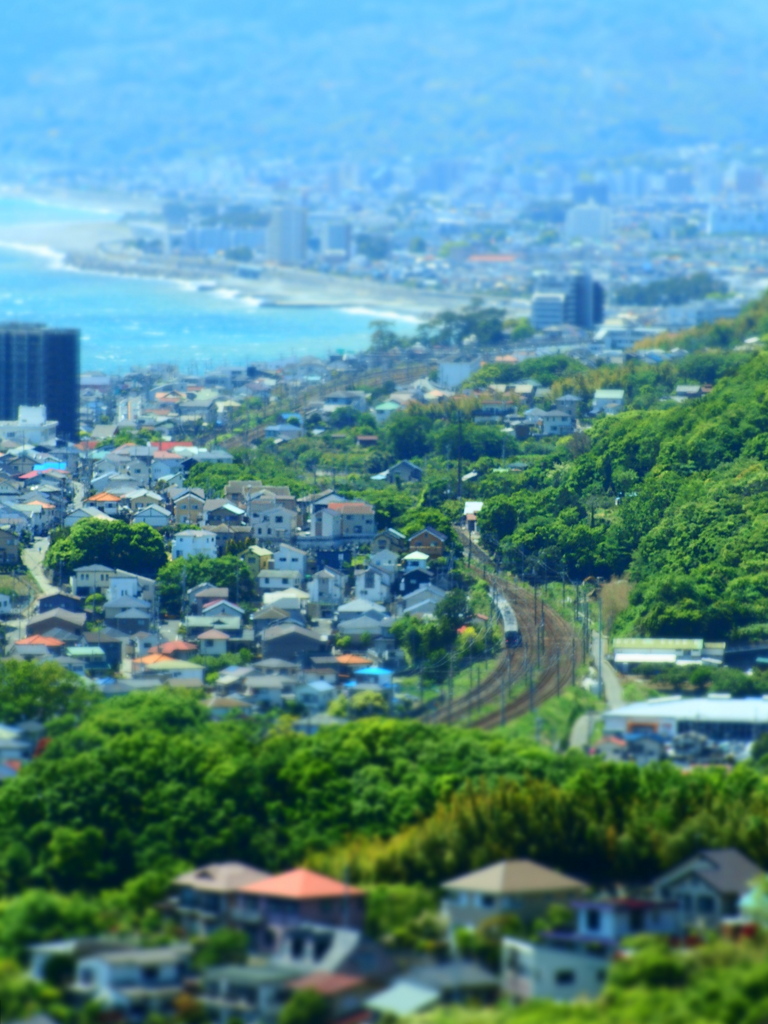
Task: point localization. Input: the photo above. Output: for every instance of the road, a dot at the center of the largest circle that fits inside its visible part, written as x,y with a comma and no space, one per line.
614,697
32,557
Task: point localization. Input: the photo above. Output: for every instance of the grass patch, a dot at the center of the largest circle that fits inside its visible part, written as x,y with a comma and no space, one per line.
551,723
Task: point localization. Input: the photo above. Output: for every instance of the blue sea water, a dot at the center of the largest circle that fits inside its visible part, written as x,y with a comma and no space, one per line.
128,322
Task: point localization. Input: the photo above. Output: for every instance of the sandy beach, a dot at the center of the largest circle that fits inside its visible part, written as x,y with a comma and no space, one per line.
97,247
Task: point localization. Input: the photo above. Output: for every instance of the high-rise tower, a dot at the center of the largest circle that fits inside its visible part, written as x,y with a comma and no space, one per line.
40,365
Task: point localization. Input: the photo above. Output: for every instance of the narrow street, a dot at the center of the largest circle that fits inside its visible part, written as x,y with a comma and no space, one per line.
613,692
32,557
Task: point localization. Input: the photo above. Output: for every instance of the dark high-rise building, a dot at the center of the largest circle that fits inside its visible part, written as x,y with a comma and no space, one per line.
585,302
40,365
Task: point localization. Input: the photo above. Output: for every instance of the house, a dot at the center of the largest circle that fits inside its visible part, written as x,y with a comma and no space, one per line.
556,423
707,886
105,502
316,694
153,515
345,400
423,988
247,993
404,472
372,583
430,541
56,618
257,558
292,599
134,983
291,642
343,992
270,616
361,606
59,600
390,540
365,628
232,625
326,590
221,606
272,523
10,546
298,897
278,579
213,643
310,503
188,507
219,512
354,520
203,594
288,557
567,965
415,576
90,579
521,887
265,691
202,900
170,670
607,400
194,542
423,601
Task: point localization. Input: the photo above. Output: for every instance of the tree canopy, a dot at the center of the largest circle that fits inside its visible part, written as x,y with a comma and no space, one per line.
134,547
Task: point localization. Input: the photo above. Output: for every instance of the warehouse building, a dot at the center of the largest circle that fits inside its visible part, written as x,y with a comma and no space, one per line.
718,716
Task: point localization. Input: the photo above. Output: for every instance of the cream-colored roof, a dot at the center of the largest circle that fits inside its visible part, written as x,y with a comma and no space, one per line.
227,877
512,877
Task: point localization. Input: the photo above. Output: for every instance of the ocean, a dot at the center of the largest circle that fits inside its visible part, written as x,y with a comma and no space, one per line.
130,322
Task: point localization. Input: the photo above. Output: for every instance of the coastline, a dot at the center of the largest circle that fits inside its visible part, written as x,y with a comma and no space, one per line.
89,247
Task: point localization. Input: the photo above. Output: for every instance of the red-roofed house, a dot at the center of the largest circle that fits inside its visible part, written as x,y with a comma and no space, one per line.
174,649
353,520
105,502
37,646
266,908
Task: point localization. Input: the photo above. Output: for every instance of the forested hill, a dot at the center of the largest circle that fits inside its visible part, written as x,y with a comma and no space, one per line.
678,497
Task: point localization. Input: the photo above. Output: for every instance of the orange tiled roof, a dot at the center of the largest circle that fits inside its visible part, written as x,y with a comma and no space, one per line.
353,659
153,659
301,884
40,641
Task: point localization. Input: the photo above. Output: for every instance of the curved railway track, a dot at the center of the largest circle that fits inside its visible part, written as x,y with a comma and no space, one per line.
545,662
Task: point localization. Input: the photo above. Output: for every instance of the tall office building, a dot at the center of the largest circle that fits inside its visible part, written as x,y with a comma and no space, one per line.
287,235
41,366
580,302
585,302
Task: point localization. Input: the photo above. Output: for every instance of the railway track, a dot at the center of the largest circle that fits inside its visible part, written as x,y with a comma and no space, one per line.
544,663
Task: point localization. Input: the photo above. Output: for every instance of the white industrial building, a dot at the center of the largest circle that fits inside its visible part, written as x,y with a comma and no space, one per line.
717,716
629,651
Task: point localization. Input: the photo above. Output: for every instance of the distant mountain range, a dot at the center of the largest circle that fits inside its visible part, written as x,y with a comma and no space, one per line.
146,81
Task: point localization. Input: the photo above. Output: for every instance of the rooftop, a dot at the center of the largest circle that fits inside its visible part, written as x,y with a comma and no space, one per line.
229,876
509,877
301,884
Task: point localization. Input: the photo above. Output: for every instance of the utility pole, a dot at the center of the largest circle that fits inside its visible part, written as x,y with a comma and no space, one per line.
600,685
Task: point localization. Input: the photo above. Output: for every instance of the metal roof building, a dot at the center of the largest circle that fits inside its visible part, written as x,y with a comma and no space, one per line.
719,716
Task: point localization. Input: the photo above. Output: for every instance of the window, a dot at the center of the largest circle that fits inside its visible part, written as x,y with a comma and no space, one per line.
488,901
565,978
593,920
278,519
706,904
358,529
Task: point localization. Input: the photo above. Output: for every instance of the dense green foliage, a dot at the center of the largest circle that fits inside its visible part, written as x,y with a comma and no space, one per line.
675,496
601,822
671,291
148,780
135,548
227,571
716,983
30,690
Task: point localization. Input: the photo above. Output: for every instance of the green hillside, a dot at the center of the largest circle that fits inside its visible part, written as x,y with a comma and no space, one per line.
675,496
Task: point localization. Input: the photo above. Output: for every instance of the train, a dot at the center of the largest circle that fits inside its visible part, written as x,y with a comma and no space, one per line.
508,618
